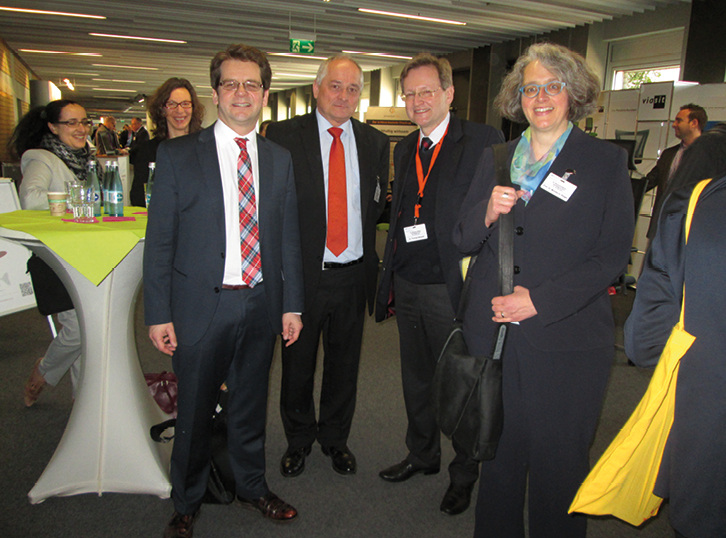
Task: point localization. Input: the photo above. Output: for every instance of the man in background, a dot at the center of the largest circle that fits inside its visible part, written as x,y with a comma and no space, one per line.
341,173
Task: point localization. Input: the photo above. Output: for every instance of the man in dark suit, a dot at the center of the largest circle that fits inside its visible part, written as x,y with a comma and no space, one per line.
687,126
434,167
340,264
222,276
136,135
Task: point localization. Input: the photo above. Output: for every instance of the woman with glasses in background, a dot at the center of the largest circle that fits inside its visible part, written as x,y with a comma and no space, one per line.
52,143
175,110
573,227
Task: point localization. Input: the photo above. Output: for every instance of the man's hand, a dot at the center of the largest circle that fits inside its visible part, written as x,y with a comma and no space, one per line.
291,327
164,338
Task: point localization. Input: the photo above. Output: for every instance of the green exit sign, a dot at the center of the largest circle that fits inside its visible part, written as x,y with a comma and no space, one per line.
302,46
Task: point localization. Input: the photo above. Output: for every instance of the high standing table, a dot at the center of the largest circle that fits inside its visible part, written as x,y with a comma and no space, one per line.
106,445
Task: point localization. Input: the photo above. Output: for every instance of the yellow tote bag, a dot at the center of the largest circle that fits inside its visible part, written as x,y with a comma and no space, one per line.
621,483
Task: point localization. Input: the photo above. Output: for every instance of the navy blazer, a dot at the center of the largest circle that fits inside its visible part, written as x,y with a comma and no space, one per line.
566,253
300,135
185,236
462,149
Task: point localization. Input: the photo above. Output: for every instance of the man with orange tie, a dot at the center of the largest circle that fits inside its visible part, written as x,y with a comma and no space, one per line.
341,175
223,277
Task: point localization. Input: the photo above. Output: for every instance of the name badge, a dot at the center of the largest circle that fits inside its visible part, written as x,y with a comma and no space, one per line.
559,187
377,194
417,232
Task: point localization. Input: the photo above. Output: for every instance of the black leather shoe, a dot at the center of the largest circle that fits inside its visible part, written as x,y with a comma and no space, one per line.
343,459
405,470
456,500
271,506
181,526
293,462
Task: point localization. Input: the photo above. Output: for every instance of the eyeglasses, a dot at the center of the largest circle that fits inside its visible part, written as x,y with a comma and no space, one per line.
75,123
250,86
551,88
424,95
171,105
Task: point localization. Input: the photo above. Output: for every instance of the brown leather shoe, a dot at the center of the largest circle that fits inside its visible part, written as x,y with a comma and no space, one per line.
181,526
271,506
34,386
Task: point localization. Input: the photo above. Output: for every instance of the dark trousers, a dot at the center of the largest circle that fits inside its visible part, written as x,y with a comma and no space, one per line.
424,315
552,402
337,312
237,349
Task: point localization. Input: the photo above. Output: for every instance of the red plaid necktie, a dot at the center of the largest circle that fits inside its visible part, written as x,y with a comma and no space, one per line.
337,240
249,232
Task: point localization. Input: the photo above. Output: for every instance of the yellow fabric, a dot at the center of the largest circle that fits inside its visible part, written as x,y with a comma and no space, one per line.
621,483
93,249
465,267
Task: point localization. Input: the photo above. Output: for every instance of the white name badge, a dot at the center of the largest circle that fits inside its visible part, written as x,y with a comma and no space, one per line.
377,194
558,186
416,232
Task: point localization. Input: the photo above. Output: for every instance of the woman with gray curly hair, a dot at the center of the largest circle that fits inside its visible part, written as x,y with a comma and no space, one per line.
573,227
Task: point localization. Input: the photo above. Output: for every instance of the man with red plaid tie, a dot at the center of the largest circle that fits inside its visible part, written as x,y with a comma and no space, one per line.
341,172
222,277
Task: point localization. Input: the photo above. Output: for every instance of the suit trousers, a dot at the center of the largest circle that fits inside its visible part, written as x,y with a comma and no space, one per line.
337,312
236,349
425,316
64,352
552,401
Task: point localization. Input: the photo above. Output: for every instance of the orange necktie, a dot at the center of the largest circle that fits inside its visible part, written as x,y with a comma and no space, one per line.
337,240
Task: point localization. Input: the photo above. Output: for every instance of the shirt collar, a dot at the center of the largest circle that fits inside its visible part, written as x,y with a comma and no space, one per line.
226,133
324,125
438,133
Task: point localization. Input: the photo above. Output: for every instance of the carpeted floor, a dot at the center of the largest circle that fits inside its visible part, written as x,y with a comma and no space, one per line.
330,505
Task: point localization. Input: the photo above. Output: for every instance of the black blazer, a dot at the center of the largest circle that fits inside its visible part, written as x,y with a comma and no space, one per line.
565,253
185,236
658,177
462,149
300,136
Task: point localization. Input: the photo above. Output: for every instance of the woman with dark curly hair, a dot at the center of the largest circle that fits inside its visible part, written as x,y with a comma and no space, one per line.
175,110
573,227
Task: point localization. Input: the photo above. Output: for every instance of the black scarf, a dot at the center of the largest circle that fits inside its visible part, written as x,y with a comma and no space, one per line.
75,159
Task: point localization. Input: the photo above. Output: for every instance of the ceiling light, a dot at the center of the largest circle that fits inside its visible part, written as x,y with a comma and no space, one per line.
41,12
126,67
112,90
119,80
69,84
61,52
292,75
406,16
291,55
380,54
137,38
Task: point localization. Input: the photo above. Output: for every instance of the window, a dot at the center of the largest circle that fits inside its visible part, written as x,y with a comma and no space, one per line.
633,78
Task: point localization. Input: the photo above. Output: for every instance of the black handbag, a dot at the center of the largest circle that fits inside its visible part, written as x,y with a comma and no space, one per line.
467,389
50,294
221,483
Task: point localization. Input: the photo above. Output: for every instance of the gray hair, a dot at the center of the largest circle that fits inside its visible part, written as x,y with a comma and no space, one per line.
583,85
323,69
442,66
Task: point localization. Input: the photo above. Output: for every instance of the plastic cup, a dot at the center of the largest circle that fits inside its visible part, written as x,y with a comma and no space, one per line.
57,203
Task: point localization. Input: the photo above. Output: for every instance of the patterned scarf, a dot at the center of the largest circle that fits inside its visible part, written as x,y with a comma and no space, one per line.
75,159
528,173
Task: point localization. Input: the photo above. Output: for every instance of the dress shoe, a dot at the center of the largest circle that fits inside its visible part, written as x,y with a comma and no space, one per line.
456,499
35,385
293,462
343,459
271,506
181,526
405,470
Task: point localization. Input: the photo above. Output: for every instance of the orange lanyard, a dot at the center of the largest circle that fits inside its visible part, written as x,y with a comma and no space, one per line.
423,179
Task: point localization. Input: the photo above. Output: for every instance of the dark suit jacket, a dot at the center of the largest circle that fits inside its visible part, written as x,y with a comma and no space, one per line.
142,135
185,237
462,149
658,177
565,253
300,136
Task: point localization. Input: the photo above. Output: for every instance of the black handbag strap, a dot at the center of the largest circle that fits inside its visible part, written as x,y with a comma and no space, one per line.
506,250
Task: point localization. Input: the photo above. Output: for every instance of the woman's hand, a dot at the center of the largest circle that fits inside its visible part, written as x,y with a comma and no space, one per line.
501,202
514,307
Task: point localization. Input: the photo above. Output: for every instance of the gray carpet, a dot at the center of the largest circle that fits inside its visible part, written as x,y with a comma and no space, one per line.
330,505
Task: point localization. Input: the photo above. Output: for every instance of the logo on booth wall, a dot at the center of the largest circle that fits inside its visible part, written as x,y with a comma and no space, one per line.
658,101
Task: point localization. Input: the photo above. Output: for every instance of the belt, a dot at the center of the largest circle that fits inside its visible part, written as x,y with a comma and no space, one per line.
335,265
236,287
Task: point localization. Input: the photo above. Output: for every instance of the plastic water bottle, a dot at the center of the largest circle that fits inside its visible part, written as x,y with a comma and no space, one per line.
150,182
115,192
104,186
92,181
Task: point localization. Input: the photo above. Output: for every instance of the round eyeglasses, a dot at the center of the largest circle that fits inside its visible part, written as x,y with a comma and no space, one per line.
551,88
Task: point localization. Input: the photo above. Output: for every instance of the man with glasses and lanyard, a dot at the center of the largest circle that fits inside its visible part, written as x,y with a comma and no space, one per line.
434,167
222,277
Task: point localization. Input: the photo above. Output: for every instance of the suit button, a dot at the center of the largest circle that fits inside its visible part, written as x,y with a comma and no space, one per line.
222,254
216,289
519,230
516,269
